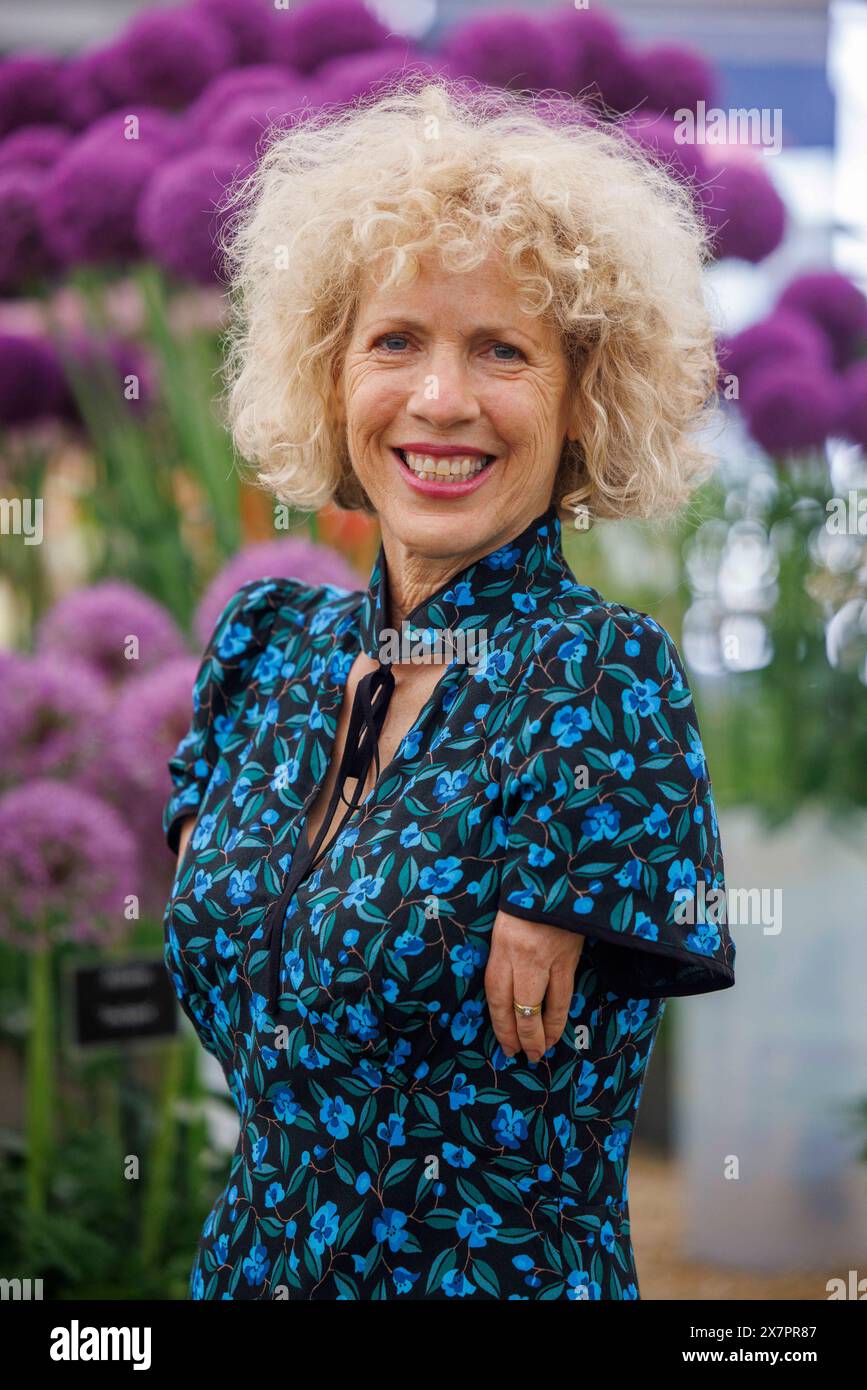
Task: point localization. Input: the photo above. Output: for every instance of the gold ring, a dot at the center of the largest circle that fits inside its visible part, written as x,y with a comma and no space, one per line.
527,1010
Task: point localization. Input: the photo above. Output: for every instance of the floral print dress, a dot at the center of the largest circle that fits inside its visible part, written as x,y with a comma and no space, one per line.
387,1146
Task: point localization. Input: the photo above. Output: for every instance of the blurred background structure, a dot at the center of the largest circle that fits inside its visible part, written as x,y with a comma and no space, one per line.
124,528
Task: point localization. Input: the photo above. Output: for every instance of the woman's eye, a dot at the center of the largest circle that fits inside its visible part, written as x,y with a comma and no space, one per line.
392,342
514,354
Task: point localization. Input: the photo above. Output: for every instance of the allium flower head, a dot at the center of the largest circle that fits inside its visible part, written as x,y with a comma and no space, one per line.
25,259
657,134
594,59
33,147
149,718
320,30
343,80
87,85
52,712
792,407
293,558
581,36
96,625
168,57
99,226
835,305
29,90
32,384
782,337
505,49
67,862
745,212
225,90
250,121
677,77
183,212
248,24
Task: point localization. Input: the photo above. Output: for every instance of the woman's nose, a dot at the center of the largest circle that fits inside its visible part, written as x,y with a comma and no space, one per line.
443,394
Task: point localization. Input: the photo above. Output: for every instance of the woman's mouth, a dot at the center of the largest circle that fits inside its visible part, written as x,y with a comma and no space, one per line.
454,474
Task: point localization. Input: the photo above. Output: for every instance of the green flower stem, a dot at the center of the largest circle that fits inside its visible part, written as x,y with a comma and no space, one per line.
188,384
157,1199
39,1134
197,1129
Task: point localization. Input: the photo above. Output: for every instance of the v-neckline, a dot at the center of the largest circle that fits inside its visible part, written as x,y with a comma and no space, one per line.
303,840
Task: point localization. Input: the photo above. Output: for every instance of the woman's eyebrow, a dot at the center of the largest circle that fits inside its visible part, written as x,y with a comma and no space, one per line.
397,322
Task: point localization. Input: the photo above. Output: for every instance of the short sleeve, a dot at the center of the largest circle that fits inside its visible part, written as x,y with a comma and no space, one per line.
611,828
237,645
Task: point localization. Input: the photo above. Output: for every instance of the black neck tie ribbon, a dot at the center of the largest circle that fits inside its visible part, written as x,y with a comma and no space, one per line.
366,718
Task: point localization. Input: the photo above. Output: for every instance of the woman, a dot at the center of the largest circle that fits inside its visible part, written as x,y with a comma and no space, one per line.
427,912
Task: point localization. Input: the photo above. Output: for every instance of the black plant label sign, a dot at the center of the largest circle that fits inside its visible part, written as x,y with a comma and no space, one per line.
128,1001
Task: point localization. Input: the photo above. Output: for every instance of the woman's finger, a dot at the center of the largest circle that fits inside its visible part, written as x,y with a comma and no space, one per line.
498,991
530,984
561,987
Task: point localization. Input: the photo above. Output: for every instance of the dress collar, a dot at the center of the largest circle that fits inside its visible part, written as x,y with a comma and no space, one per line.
479,601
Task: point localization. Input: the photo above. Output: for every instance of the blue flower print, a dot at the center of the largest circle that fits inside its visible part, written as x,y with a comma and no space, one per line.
478,1226
642,698
445,875
510,1127
389,1229
324,1225
570,724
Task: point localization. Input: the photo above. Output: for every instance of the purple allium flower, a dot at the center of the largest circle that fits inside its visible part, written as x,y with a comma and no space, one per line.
29,90
293,558
86,85
594,59
225,90
116,365
581,36
657,134
32,385
67,862
781,337
343,80
792,406
249,26
250,122
835,305
91,196
156,130
324,29
853,404
96,625
53,710
505,49
745,212
150,716
167,57
677,77
182,212
34,147
24,256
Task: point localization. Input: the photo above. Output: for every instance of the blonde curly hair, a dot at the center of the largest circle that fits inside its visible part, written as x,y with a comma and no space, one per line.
597,235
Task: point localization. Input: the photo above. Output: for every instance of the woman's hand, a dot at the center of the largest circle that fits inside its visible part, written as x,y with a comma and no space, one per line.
529,962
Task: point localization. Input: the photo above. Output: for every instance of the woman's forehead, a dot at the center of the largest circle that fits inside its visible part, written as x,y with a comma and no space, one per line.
485,298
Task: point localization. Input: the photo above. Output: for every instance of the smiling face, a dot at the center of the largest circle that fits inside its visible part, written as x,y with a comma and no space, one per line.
456,406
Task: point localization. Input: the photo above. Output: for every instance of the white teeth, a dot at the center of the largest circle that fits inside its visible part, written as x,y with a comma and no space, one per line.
424,466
